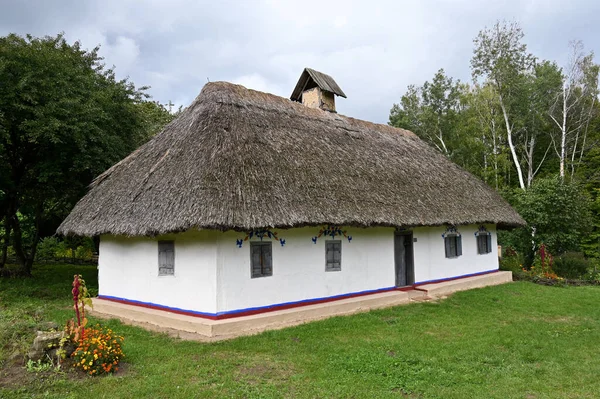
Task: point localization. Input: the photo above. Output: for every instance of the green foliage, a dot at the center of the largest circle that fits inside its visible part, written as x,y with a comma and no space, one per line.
557,214
38,366
572,265
56,249
64,119
512,263
431,112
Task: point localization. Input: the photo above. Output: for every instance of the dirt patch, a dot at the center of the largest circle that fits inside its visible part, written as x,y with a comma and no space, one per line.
256,371
560,319
405,394
15,375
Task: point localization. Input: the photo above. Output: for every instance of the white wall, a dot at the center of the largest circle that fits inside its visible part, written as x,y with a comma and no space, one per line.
128,268
430,257
205,260
299,268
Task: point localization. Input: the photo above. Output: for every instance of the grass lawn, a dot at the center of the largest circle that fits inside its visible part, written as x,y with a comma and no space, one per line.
517,340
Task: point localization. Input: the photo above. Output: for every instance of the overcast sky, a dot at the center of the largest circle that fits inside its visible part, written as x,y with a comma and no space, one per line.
373,49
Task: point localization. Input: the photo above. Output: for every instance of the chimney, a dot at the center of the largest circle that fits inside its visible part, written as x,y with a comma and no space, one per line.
317,90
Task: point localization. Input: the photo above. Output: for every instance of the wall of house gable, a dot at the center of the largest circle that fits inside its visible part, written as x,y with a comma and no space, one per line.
128,269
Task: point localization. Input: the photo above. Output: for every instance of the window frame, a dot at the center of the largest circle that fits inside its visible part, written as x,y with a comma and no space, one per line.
263,273
160,249
329,266
457,239
487,241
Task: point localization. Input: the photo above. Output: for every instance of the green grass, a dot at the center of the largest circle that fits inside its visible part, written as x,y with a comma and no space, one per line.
517,340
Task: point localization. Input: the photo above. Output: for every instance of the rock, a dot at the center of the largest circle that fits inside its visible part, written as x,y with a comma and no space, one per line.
49,325
43,343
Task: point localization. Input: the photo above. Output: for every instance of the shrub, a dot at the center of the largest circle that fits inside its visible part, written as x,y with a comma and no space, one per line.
47,249
571,265
52,248
99,351
511,261
557,212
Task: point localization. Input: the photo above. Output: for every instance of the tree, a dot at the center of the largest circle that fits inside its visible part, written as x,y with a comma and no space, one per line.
542,84
588,173
557,214
64,119
483,121
573,105
502,59
430,111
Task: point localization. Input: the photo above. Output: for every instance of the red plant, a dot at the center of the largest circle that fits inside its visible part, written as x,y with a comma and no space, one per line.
81,298
542,266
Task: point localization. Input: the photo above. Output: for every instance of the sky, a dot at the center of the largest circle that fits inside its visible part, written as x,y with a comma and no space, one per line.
373,49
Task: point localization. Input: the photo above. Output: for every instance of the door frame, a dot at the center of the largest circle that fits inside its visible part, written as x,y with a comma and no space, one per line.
409,259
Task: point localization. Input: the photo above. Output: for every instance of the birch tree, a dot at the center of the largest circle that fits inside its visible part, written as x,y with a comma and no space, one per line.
572,108
501,58
430,111
487,120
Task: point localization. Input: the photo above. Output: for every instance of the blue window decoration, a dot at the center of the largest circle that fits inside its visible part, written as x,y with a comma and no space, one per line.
260,234
332,231
451,230
481,231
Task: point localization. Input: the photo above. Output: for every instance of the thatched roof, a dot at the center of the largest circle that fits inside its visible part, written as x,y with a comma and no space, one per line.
311,78
242,159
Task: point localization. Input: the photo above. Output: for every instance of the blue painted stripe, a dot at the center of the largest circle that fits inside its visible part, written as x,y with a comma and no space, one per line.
133,301
308,301
285,304
456,277
258,308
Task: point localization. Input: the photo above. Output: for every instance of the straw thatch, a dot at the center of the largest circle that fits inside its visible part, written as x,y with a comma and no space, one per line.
242,159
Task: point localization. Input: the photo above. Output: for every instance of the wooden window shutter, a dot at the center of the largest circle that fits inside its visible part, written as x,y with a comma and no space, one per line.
261,259
489,244
267,259
458,245
166,258
447,245
255,259
480,249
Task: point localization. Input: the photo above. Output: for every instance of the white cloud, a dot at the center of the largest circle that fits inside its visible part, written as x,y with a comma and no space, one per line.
258,82
124,52
373,49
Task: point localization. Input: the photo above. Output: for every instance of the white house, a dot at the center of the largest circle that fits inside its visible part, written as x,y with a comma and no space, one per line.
249,202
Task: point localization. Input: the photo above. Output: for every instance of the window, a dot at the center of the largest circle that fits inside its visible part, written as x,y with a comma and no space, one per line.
333,256
453,244
484,243
261,259
166,258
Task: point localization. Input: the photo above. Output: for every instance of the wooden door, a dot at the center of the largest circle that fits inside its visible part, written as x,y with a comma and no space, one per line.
403,254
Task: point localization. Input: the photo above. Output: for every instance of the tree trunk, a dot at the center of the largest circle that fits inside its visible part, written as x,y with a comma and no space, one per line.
5,243
530,151
563,138
18,241
25,259
512,146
